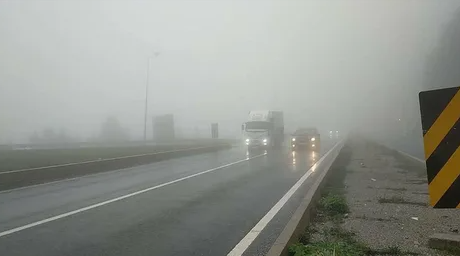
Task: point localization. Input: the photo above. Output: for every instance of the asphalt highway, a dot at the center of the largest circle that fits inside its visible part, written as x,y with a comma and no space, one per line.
197,205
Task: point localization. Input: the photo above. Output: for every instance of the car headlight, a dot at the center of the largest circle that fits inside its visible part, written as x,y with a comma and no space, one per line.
293,139
265,140
313,139
247,140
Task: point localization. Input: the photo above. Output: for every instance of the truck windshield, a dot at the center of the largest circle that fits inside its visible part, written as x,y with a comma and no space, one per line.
257,125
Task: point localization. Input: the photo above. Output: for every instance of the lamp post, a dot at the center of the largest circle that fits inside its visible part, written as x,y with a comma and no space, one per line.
147,94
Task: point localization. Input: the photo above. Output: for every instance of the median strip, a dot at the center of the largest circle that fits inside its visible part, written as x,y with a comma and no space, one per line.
98,160
33,176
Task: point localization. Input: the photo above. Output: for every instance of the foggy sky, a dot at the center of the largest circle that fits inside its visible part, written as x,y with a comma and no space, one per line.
70,64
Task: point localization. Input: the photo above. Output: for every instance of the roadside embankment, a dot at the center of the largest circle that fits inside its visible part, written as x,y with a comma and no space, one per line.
375,203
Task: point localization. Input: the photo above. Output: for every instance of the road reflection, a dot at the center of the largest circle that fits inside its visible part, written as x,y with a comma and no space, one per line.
255,152
303,159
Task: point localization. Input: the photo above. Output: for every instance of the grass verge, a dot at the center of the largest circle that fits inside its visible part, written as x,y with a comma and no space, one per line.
38,176
23,159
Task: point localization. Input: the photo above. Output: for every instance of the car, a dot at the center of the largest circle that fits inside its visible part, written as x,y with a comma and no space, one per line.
306,138
333,134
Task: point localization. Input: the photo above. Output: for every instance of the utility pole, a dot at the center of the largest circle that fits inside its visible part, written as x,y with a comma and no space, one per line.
147,94
146,99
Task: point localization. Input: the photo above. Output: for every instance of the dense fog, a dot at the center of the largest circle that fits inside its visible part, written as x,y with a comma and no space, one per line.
67,66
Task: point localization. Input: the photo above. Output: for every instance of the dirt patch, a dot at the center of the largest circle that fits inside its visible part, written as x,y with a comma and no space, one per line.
398,200
388,201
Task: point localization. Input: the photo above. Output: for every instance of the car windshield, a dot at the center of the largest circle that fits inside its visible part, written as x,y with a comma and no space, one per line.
306,131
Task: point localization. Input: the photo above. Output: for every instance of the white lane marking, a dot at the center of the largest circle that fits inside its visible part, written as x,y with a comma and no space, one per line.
413,157
98,160
87,208
244,244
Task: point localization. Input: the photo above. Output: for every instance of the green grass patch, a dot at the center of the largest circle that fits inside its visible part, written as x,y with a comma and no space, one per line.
333,204
326,249
339,242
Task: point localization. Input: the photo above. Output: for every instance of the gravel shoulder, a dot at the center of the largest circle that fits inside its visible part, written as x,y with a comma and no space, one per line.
387,194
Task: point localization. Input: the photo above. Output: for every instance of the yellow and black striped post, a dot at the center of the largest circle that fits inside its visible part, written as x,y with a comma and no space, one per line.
440,111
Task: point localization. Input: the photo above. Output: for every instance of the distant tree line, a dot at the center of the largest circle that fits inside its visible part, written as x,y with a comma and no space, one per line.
442,66
441,71
50,136
111,131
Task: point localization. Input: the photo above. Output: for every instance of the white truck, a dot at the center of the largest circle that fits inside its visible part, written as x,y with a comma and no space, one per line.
264,129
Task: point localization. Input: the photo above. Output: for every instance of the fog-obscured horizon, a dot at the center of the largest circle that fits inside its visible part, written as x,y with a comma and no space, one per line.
336,65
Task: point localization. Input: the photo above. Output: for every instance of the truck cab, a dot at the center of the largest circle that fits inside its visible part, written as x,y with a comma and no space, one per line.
306,138
263,129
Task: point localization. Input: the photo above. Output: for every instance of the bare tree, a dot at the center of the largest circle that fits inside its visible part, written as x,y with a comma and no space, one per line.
113,131
442,67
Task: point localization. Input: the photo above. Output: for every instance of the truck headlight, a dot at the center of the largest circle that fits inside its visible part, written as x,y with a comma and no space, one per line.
313,139
265,141
247,140
293,139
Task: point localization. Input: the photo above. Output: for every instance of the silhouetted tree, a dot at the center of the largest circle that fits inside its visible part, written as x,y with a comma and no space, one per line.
443,64
34,138
441,71
49,136
113,131
63,137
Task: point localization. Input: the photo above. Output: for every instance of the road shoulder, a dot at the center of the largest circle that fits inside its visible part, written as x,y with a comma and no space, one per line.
386,212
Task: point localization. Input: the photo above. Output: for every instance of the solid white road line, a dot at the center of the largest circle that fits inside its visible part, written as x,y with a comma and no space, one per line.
244,244
98,160
60,216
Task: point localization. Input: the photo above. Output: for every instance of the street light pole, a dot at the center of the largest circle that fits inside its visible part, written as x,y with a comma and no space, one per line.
146,99
147,95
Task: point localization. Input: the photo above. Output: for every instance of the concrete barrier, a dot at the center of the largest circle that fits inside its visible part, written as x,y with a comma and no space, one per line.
33,176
